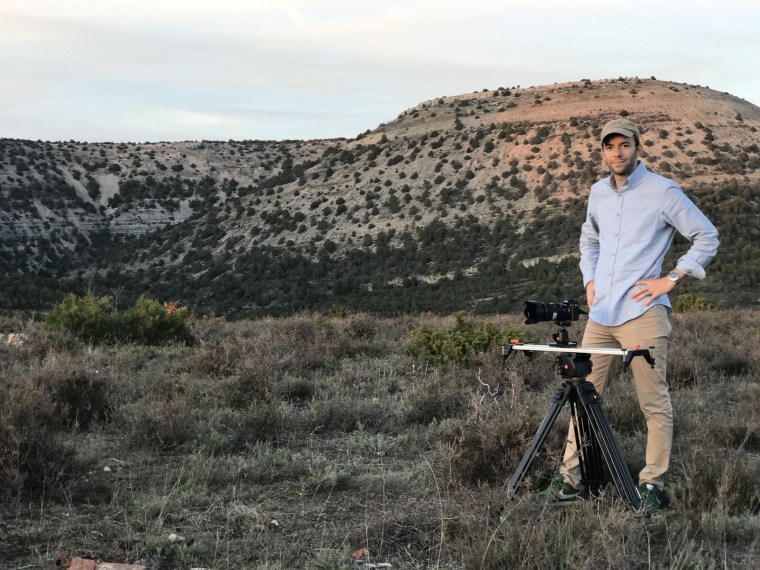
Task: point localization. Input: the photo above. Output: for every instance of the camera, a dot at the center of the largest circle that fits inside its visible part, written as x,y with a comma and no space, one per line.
564,312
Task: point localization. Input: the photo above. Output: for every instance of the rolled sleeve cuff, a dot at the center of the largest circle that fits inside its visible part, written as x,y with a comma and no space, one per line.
691,268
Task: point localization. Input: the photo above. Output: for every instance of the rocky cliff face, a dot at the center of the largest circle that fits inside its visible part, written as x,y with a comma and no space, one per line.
505,157
67,196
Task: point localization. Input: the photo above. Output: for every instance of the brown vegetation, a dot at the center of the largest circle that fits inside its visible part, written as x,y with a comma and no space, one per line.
292,443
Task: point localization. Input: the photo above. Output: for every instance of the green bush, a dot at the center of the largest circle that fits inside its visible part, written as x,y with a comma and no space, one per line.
146,322
690,302
150,322
461,341
86,317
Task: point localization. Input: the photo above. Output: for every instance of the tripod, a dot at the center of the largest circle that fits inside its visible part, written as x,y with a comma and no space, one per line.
595,441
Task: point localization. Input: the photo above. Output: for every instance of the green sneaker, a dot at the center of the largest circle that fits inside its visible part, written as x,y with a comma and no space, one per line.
652,498
561,493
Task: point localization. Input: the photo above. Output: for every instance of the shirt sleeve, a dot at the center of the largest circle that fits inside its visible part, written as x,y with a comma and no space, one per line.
691,223
589,245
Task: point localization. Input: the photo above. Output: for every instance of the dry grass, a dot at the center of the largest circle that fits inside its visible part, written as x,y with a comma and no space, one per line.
291,443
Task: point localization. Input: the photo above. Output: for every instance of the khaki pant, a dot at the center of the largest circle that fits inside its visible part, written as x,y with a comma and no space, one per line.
649,330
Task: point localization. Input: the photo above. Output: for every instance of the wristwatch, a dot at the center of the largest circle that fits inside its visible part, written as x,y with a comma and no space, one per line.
674,277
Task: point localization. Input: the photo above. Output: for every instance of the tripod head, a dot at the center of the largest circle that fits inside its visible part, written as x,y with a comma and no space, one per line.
562,337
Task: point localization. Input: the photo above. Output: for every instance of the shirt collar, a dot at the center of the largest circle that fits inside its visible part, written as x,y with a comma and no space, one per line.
632,181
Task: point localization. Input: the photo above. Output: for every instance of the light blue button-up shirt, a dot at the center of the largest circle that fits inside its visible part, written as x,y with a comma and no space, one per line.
625,238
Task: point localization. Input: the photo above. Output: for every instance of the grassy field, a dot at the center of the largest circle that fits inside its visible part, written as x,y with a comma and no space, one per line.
291,443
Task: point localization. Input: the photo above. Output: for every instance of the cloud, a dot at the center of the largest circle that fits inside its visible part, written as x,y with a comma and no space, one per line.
347,64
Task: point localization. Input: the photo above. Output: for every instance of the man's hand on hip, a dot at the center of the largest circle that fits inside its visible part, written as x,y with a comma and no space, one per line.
650,289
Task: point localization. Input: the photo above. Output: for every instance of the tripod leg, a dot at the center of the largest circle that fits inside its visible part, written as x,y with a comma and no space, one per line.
590,458
558,400
613,458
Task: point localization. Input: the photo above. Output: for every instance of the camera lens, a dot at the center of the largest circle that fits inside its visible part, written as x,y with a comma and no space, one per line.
538,311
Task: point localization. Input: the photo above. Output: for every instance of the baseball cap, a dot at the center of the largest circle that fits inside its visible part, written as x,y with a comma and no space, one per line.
620,127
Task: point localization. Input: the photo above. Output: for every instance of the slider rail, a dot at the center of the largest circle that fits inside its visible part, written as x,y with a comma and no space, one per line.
568,349
628,354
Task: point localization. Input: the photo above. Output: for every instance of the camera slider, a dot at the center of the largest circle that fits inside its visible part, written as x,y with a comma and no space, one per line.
628,354
595,441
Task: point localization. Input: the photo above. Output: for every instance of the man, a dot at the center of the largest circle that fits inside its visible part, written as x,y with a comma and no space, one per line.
631,219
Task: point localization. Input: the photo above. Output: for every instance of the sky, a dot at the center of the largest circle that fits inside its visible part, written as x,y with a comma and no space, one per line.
171,70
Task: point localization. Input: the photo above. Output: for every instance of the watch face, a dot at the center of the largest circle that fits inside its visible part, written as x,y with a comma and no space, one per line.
673,276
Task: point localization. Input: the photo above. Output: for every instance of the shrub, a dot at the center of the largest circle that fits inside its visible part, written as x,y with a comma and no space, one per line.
36,453
338,312
160,425
150,322
147,322
85,317
435,403
690,302
81,397
461,341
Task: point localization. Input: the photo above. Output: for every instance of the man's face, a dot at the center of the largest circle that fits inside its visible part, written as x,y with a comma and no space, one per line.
620,154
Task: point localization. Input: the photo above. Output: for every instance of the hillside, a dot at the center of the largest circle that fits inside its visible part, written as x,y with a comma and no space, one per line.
465,202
